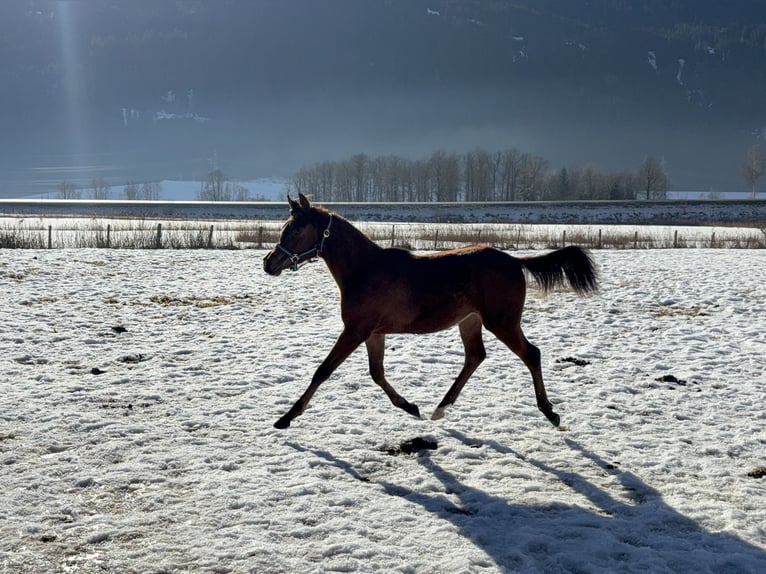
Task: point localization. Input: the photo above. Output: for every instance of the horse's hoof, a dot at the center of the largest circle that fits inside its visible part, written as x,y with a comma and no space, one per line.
438,414
282,423
554,418
413,410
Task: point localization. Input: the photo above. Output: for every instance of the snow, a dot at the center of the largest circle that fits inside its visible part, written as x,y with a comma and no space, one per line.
652,59
140,389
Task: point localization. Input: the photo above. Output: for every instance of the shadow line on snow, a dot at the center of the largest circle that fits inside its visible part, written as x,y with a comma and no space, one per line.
642,535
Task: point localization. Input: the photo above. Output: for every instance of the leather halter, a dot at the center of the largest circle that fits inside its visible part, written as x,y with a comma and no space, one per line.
304,256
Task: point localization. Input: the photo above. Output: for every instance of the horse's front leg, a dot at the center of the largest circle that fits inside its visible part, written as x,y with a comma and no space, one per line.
343,347
376,345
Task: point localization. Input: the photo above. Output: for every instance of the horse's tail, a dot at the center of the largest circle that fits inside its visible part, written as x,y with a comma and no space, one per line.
572,262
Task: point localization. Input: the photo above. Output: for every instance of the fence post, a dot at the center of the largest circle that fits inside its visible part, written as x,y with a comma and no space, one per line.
210,238
260,236
599,239
159,236
635,240
675,239
393,234
436,238
712,240
563,238
109,235
50,237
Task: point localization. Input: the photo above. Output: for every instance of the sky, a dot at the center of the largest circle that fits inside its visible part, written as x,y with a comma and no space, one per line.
170,90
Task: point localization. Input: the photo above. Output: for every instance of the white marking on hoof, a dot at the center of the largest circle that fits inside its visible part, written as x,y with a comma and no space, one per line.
438,414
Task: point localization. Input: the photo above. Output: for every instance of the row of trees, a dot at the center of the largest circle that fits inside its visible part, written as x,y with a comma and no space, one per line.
479,175
101,189
216,187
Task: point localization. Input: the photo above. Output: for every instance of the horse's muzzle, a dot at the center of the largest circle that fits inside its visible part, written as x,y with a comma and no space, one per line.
270,266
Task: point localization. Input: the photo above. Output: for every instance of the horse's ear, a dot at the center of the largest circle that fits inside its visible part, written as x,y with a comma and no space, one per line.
294,206
305,203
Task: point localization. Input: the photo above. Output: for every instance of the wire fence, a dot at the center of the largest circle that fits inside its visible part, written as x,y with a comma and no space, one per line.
144,234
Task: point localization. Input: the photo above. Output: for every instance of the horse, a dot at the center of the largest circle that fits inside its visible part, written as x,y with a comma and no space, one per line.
390,290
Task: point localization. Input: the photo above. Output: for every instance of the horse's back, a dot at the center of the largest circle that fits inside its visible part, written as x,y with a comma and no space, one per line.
480,261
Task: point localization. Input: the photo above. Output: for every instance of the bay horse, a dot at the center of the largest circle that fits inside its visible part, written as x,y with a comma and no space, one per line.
393,291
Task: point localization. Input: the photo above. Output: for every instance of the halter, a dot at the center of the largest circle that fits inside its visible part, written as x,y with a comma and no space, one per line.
304,256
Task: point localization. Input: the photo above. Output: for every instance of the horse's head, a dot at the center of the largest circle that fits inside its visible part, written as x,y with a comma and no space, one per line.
303,236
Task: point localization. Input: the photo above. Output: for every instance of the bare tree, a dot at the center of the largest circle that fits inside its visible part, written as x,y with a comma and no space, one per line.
559,185
100,188
150,191
214,188
590,183
422,181
620,185
531,179
393,178
344,181
446,173
360,165
654,181
753,167
326,176
68,190
509,174
480,175
471,176
130,191
239,192
304,181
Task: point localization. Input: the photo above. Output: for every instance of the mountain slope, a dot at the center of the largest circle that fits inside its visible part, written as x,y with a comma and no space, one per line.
159,88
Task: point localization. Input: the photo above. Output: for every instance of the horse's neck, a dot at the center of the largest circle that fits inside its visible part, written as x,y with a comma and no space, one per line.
347,251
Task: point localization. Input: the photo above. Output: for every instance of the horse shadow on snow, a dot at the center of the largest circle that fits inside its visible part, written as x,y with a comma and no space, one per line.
643,534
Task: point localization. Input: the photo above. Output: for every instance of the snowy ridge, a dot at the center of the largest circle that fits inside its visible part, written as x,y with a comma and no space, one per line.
690,212
140,388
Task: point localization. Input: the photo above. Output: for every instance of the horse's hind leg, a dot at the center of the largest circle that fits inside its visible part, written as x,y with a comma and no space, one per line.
470,332
514,338
375,349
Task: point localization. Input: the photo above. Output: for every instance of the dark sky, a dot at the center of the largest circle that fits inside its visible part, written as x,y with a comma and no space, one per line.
154,89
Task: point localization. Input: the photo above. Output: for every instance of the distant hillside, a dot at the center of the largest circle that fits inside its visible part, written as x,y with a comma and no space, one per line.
166,88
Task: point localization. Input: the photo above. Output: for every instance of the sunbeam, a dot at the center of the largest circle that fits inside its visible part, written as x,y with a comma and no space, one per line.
72,79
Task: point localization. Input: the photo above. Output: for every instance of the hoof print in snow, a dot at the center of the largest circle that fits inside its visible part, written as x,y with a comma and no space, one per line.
671,379
119,329
413,445
96,371
574,361
757,472
133,359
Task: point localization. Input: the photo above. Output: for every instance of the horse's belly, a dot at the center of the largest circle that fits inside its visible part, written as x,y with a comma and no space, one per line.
431,318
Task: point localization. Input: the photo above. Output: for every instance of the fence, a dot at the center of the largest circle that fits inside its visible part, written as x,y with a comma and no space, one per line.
140,234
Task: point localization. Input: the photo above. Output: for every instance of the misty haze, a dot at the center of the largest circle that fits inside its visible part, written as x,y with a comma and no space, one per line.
146,90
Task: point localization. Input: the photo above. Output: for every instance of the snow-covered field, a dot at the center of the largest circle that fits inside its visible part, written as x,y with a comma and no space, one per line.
140,388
